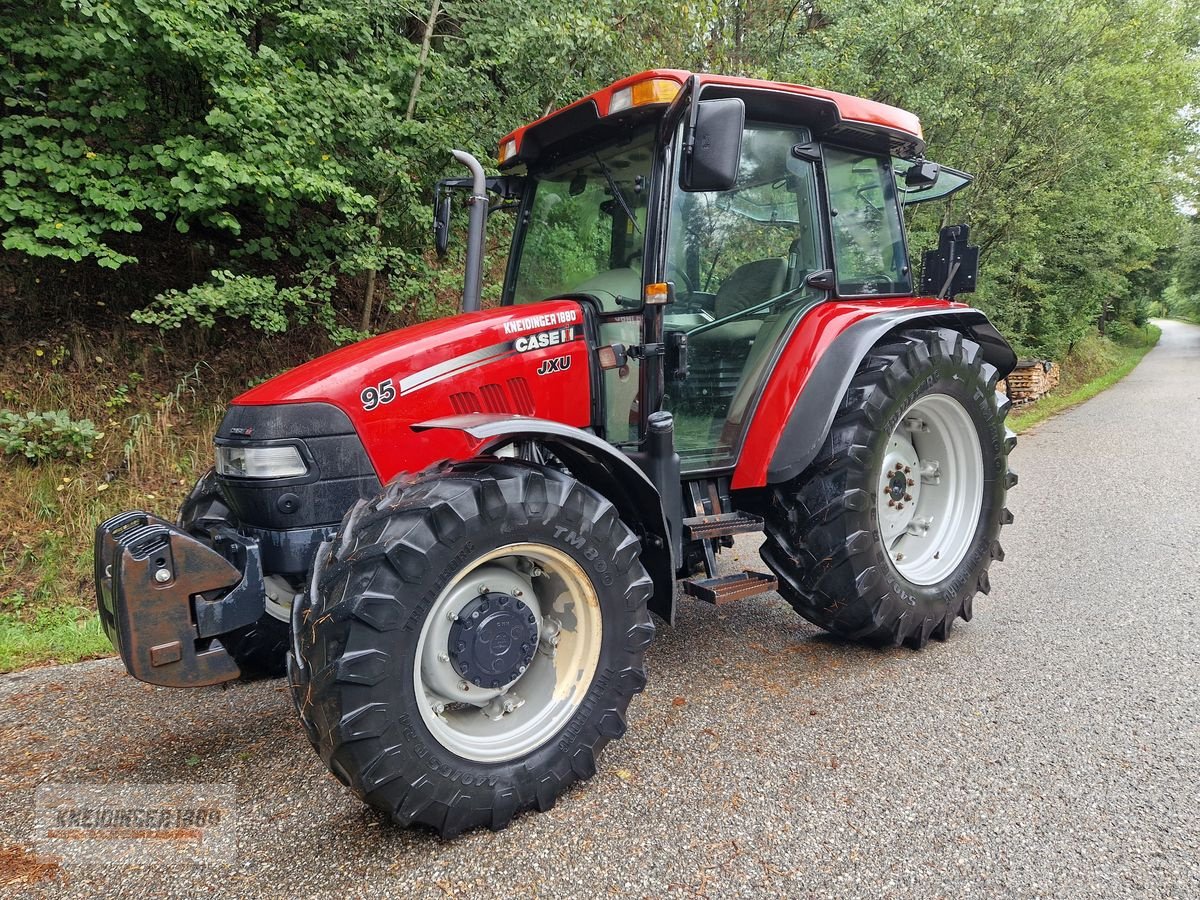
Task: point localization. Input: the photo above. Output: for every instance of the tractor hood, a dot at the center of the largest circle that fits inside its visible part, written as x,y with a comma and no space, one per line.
529,360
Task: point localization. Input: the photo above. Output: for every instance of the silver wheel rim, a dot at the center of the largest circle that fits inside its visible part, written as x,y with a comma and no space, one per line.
930,490
497,724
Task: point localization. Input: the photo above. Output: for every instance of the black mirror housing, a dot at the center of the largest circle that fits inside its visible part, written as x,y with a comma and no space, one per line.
715,148
922,174
951,269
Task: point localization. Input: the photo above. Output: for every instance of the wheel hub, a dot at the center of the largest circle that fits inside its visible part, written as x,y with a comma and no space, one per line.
930,489
493,639
513,683
900,487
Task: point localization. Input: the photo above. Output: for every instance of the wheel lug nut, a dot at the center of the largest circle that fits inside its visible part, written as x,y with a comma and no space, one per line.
899,506
891,503
907,470
908,497
911,482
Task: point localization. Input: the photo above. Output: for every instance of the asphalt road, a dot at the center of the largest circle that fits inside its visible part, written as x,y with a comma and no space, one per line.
1050,748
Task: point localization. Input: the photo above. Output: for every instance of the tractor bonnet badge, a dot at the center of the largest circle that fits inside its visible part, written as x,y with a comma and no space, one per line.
558,364
543,339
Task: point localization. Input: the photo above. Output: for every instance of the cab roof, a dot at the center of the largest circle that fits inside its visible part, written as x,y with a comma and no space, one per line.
834,116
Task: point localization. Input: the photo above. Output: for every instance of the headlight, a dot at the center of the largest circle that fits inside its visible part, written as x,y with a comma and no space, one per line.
260,462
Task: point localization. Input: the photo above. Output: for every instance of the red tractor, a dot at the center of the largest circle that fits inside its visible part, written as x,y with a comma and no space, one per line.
451,537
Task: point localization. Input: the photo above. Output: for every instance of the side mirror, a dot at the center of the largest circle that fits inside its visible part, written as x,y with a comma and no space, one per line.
922,174
716,145
441,223
953,268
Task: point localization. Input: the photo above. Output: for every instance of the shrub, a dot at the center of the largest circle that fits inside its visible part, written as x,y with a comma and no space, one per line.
1117,331
46,435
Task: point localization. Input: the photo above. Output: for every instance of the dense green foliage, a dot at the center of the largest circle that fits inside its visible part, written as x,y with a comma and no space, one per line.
295,142
46,435
1181,297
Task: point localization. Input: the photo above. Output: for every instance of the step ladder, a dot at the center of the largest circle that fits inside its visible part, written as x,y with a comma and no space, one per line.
726,588
706,528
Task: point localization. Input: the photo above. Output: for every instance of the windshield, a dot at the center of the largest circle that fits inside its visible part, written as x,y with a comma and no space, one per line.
580,237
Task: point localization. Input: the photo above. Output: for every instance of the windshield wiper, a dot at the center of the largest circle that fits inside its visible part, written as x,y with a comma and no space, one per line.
616,192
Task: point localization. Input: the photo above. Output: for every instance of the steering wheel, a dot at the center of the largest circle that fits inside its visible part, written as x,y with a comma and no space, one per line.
877,281
675,269
862,192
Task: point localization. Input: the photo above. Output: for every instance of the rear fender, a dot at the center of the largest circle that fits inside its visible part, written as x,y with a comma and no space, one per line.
598,465
820,389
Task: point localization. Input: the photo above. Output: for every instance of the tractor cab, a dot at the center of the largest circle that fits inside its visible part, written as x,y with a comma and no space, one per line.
699,218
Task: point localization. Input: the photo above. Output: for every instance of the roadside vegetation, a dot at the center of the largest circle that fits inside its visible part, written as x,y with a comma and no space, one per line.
196,196
151,415
1097,362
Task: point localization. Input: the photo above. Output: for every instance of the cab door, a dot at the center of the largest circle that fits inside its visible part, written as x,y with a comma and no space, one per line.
739,260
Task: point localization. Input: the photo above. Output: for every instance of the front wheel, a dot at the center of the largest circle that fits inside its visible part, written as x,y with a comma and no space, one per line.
471,642
889,534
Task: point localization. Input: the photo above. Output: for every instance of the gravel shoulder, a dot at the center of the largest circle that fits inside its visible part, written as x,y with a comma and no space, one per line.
1050,748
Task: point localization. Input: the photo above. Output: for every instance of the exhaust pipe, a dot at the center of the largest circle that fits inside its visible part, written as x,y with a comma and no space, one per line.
476,232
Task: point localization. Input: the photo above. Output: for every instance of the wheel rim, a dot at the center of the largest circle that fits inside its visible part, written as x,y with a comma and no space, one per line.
930,489
492,724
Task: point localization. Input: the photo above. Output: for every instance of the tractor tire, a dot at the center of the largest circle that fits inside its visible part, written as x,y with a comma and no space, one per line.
888,535
260,648
452,725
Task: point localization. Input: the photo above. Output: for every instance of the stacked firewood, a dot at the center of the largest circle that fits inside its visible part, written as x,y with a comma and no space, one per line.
1030,379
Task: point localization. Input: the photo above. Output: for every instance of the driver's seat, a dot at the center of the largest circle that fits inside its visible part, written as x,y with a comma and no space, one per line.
752,283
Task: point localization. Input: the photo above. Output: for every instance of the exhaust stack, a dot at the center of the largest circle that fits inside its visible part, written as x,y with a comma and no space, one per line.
476,232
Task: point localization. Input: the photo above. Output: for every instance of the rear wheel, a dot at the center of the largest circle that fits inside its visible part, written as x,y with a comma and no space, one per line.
889,534
471,642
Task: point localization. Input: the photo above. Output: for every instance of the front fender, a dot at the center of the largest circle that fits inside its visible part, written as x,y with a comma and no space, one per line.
598,465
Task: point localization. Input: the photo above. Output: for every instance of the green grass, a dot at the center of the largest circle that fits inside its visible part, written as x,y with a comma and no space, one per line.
54,635
148,458
1097,364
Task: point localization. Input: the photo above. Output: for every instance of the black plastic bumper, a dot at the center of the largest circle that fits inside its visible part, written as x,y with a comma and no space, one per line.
163,595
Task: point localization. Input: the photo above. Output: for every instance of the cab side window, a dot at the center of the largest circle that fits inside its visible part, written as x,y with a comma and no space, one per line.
868,236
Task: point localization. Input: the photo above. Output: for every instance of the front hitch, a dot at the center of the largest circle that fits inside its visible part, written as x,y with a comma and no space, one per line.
164,595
